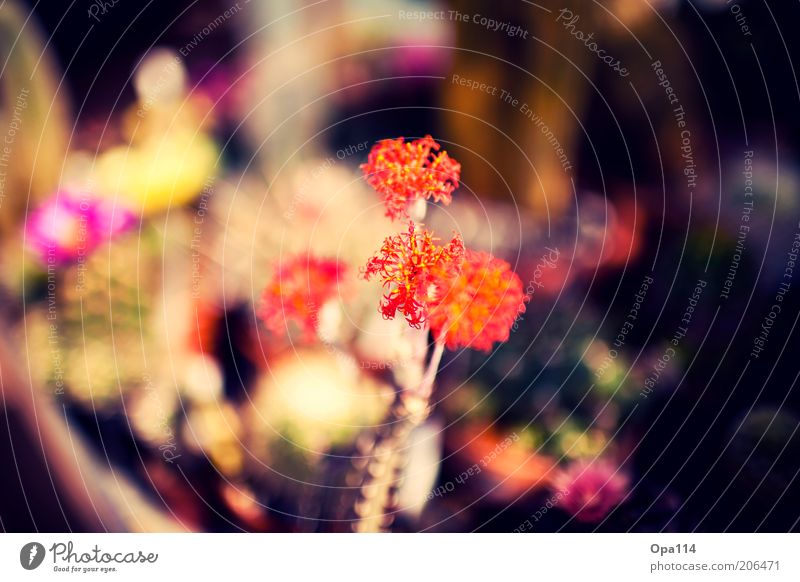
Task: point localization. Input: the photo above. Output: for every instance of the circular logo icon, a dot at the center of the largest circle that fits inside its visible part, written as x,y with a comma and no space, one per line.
31,555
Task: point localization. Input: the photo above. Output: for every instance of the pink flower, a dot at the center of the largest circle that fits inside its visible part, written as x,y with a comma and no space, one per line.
591,488
67,226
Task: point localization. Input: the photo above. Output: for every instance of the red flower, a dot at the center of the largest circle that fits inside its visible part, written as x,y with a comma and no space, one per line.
406,265
299,287
478,306
403,172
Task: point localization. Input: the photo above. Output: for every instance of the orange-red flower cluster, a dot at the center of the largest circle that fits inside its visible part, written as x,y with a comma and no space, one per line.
408,265
405,171
467,298
298,289
477,306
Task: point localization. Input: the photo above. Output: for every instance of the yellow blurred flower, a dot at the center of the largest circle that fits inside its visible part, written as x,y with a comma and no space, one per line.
577,444
170,170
